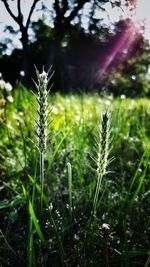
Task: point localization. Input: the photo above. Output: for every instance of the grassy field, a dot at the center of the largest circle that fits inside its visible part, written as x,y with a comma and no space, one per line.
64,233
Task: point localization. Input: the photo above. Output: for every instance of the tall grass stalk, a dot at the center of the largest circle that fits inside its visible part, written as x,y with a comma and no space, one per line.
30,249
41,122
102,161
41,175
42,136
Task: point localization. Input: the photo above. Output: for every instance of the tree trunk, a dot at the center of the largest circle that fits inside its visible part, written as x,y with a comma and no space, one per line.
25,63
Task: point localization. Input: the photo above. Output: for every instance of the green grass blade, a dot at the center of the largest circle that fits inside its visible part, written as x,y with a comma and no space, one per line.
36,224
70,189
30,248
137,171
137,189
45,200
54,153
144,158
24,192
38,188
147,264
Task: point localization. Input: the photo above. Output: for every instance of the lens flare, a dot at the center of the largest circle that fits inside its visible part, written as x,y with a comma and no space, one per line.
126,39
121,46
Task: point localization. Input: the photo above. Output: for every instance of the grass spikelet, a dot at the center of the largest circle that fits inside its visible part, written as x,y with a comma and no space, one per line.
102,159
42,111
42,120
103,144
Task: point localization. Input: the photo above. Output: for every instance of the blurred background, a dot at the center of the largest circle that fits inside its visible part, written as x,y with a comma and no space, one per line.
97,45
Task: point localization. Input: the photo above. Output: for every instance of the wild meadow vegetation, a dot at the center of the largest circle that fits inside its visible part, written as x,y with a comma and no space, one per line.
75,193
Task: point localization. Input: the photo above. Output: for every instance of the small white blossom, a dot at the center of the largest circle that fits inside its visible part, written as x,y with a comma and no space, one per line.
123,97
2,84
10,99
51,206
8,87
55,110
22,73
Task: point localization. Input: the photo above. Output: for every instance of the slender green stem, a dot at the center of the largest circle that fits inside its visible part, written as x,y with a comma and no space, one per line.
102,163
41,176
147,262
70,190
94,208
31,258
30,244
98,186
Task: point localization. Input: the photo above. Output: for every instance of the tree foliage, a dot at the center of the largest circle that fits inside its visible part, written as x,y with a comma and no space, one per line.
23,26
82,59
128,73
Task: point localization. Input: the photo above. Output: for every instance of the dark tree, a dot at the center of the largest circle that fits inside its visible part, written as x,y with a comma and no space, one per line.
40,46
64,14
62,25
23,27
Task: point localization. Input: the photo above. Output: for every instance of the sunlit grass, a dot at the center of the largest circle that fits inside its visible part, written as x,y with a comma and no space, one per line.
70,182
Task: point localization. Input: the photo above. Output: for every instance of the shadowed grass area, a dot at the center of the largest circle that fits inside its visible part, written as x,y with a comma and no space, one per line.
123,201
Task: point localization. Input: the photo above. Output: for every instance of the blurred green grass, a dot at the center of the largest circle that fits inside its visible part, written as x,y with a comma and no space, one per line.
125,195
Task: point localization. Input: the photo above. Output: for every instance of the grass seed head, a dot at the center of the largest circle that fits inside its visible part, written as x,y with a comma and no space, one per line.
103,143
42,111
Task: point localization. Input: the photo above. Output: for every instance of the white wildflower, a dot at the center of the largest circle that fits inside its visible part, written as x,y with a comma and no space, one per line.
2,84
51,206
10,99
8,87
123,97
22,73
